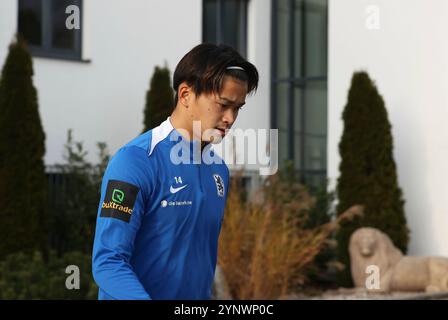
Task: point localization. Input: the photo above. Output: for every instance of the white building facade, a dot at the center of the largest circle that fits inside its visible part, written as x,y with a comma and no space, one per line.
94,79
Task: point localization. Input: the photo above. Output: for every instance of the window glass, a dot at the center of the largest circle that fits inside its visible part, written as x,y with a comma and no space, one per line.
30,21
62,37
225,22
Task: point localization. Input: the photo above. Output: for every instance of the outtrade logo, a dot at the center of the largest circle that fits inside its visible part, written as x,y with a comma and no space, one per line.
119,200
113,205
117,196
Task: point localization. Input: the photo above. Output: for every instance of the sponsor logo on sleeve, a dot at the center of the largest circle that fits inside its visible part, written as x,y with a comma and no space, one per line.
119,200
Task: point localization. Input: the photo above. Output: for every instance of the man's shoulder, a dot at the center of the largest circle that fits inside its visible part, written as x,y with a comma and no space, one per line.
143,142
131,163
133,154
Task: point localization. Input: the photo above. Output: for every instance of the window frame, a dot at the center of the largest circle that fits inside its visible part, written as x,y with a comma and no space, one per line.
293,82
46,50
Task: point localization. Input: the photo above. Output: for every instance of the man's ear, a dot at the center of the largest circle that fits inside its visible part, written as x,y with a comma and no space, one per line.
185,94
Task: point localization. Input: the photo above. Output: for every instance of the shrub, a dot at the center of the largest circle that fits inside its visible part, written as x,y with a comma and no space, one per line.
75,203
265,247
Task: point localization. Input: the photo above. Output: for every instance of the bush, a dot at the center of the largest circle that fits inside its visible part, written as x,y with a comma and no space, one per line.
265,247
322,273
75,206
28,276
23,187
368,172
25,275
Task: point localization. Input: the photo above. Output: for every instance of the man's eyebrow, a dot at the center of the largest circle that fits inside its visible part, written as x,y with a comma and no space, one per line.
231,101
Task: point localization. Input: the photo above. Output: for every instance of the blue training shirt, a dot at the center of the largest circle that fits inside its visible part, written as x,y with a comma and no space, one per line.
158,222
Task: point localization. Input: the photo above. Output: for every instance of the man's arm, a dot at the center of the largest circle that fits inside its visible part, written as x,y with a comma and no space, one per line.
124,189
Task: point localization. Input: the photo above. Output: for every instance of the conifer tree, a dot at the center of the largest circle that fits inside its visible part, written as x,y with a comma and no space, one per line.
23,184
159,99
368,174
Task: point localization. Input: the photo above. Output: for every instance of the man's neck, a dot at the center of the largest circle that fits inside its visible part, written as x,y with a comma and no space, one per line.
179,121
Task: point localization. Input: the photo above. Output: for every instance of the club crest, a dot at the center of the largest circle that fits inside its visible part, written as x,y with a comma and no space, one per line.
219,185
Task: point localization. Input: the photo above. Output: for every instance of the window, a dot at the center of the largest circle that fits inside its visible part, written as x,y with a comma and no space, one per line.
43,25
299,85
225,21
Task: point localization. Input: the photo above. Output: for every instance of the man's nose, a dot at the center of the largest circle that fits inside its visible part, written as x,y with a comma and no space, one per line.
229,116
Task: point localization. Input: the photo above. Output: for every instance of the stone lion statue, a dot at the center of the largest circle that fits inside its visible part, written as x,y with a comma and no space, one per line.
369,246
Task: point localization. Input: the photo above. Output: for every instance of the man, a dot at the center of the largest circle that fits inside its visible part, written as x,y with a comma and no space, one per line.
161,210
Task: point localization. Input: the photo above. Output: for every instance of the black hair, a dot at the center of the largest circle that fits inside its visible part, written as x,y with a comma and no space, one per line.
204,67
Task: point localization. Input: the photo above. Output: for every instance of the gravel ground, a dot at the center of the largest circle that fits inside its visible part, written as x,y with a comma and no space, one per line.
362,294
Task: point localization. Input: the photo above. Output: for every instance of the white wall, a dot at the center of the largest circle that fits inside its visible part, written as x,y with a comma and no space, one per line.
8,23
408,59
103,100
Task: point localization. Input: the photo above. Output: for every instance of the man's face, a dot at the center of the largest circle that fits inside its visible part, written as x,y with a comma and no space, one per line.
218,111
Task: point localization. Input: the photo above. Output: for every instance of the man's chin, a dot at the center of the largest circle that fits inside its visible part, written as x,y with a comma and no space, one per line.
214,136
215,139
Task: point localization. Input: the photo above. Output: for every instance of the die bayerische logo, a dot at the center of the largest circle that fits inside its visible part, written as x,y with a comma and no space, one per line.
219,185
